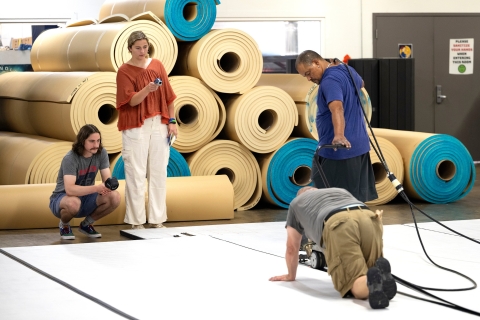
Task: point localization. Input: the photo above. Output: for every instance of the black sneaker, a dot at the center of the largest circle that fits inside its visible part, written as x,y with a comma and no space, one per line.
89,231
389,284
66,233
376,297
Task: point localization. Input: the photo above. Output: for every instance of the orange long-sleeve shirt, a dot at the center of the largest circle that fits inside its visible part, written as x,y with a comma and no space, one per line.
132,79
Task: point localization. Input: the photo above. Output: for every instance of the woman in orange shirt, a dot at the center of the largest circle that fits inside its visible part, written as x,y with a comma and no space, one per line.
146,118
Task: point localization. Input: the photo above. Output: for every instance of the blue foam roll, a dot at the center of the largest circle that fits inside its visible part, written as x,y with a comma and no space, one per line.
278,173
177,166
182,29
426,166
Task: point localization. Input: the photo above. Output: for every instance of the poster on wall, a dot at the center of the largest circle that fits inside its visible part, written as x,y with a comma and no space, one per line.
405,51
15,67
461,56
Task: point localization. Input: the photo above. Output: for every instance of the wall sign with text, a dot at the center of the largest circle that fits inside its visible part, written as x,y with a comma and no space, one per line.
461,56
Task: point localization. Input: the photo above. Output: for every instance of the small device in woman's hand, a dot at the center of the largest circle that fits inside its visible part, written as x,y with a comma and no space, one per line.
158,82
171,139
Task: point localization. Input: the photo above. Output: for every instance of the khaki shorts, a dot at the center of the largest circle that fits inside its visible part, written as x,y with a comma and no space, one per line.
353,241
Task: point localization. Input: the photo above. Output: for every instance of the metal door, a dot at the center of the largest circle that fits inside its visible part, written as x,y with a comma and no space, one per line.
430,35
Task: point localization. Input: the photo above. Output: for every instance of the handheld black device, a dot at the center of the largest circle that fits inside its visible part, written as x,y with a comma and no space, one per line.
111,183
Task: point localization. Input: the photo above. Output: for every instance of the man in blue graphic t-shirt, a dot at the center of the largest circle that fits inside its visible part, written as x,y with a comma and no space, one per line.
76,194
339,120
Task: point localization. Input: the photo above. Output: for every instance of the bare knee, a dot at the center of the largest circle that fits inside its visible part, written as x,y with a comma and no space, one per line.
111,199
70,206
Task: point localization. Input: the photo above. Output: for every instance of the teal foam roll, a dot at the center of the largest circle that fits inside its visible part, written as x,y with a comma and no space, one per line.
424,165
190,30
292,155
177,166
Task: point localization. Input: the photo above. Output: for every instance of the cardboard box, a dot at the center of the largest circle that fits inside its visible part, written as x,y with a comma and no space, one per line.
15,43
27,40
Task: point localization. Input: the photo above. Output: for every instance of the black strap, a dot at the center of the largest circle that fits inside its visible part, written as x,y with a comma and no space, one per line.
344,209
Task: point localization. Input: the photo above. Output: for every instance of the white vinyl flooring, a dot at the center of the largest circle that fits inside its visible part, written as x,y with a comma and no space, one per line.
222,272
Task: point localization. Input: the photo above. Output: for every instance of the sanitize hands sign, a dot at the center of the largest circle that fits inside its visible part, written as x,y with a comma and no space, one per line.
461,56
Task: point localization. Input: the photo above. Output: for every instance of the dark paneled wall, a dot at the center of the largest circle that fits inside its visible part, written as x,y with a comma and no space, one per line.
390,85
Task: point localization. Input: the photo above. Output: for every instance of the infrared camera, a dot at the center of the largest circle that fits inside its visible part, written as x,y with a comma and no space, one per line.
158,82
111,183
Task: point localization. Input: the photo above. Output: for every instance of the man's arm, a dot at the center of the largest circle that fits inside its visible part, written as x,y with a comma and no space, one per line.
338,120
71,189
294,239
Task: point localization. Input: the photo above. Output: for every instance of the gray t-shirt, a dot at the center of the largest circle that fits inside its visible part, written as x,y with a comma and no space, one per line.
307,211
85,169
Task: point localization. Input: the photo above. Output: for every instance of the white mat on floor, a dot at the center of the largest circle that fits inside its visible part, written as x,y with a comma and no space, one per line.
470,228
200,277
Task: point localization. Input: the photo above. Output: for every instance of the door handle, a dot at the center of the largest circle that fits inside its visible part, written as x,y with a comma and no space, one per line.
440,97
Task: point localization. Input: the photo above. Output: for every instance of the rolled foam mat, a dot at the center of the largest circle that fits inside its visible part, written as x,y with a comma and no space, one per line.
101,47
293,84
224,157
209,198
302,130
385,189
298,88
188,20
438,167
261,119
28,159
199,111
58,104
287,170
227,60
177,165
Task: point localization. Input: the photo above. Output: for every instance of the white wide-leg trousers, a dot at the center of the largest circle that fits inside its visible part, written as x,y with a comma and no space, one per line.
145,154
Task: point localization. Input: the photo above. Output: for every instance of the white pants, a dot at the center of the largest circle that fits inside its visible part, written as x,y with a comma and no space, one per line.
145,154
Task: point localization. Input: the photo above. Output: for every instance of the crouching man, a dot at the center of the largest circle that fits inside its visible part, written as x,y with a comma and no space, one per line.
76,194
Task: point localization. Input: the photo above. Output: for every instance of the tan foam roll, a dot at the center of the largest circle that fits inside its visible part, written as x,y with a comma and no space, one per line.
293,84
261,119
227,60
224,157
16,213
27,159
209,198
14,115
199,198
100,47
199,111
302,129
385,189
60,103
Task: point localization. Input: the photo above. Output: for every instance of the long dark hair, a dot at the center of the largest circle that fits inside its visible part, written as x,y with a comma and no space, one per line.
82,135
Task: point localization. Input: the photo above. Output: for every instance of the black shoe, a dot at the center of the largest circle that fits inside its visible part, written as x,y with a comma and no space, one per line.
389,285
376,297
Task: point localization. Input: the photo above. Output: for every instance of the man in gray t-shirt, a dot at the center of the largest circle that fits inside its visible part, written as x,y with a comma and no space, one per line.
351,236
76,194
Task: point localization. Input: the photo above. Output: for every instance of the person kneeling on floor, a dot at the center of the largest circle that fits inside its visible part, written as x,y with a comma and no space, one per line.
351,236
76,194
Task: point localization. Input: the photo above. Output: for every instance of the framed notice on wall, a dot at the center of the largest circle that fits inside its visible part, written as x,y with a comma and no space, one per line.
405,50
461,56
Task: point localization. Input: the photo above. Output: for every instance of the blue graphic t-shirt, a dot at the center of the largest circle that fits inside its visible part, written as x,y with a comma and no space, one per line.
85,169
336,84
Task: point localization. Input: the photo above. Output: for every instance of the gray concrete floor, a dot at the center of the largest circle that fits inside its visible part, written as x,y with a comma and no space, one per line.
395,212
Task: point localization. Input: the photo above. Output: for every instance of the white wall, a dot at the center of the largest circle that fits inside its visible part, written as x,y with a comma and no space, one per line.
348,23
341,19
36,9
